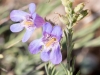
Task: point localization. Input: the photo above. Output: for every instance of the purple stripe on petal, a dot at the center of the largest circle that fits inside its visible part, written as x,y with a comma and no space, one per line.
57,32
47,28
27,35
16,27
32,8
35,46
39,21
45,55
55,55
18,15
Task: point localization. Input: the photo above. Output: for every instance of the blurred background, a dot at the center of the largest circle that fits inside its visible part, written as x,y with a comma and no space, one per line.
15,58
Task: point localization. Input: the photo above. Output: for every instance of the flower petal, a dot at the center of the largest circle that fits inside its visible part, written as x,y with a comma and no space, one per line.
35,46
47,28
16,27
32,7
39,21
34,16
27,35
55,55
45,55
18,15
57,32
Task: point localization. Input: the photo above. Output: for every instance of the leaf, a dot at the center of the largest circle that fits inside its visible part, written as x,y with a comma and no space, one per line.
3,29
85,31
93,43
82,41
51,69
14,41
46,8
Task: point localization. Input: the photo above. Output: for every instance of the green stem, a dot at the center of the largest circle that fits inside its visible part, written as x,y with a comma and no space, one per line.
69,39
46,69
68,36
67,45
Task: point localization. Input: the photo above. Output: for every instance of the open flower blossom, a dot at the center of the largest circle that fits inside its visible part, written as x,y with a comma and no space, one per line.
30,21
49,44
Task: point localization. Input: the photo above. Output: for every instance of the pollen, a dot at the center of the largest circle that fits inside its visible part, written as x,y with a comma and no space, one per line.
51,41
28,23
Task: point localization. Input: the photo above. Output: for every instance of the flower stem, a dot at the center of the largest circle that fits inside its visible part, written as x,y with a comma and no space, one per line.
46,69
67,45
69,42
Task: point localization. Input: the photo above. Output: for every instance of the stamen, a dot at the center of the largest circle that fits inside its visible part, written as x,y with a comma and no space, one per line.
28,23
50,42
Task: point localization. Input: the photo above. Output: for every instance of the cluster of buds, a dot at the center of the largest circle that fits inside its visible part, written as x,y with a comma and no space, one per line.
79,12
72,15
68,5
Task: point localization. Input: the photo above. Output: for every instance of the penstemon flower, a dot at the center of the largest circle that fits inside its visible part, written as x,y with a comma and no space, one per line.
49,43
30,21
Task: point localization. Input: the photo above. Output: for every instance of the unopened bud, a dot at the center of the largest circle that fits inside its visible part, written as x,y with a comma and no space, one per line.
82,14
79,7
64,19
80,17
75,16
64,2
68,10
67,3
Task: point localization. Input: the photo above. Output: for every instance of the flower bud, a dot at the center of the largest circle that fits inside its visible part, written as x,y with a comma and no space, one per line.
64,19
67,3
75,16
79,7
67,10
82,14
64,2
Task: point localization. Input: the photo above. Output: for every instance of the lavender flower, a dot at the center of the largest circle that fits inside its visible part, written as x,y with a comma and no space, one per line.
30,21
49,44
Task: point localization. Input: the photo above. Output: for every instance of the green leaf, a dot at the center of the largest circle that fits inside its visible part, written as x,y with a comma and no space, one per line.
45,8
14,41
93,43
85,31
82,41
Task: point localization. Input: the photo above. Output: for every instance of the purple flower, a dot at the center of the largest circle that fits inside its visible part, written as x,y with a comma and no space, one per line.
30,21
49,44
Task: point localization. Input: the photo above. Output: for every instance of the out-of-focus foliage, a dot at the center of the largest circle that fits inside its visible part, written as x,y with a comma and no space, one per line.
85,36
